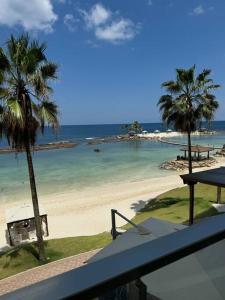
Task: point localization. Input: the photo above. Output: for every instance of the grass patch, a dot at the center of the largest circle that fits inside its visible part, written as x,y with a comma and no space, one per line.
25,257
171,206
174,205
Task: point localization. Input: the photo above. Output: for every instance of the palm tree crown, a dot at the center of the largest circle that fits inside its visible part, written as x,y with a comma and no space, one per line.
24,91
189,99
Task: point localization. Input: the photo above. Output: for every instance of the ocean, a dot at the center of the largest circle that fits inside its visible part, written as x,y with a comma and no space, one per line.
81,168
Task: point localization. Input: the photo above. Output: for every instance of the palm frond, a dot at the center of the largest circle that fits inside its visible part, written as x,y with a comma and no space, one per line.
203,75
4,62
47,113
186,76
39,50
48,71
15,109
172,87
38,84
212,87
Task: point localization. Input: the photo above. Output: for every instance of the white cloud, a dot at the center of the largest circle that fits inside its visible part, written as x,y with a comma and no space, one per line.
108,25
30,14
70,22
97,15
117,31
199,10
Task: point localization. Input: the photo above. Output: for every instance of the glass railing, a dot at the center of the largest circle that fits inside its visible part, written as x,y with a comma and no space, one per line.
186,264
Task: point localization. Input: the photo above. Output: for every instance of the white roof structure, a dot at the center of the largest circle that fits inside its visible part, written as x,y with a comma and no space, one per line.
197,276
20,213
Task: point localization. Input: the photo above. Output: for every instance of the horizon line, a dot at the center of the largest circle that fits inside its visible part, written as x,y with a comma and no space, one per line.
97,124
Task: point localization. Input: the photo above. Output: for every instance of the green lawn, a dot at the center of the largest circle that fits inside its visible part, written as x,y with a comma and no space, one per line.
171,206
174,205
25,257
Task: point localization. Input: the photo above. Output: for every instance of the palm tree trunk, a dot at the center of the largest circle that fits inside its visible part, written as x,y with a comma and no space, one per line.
28,125
191,186
38,225
189,153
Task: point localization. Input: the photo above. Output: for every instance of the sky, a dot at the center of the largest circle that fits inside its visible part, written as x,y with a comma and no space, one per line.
113,55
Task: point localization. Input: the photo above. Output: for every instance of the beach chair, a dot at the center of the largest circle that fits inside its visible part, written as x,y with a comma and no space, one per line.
32,235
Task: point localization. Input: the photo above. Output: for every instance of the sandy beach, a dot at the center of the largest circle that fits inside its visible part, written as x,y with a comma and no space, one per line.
87,212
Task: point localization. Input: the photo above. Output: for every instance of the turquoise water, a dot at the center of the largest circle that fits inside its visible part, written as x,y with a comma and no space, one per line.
216,140
80,167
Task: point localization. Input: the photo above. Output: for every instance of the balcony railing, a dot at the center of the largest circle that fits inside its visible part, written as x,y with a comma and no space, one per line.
97,278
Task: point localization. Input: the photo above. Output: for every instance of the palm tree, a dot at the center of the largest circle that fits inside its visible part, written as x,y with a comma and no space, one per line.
25,104
136,126
189,99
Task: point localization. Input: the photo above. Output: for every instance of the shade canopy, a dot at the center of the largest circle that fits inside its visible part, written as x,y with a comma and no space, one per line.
197,148
20,213
214,177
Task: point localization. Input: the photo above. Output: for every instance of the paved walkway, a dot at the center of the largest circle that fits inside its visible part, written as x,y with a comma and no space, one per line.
34,275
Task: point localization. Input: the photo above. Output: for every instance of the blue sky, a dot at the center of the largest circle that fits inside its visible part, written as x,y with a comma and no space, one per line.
114,55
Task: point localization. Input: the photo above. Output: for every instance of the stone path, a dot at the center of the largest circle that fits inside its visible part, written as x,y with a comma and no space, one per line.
34,275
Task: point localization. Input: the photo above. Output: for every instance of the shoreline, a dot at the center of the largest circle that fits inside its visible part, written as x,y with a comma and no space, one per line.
80,213
152,136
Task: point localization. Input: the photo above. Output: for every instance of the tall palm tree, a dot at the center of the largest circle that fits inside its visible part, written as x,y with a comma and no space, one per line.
189,99
25,104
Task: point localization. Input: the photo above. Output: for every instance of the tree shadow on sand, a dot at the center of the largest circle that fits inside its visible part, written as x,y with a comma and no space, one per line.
139,205
153,204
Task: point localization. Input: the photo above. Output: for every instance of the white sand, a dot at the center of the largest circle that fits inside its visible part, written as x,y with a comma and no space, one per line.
87,212
159,135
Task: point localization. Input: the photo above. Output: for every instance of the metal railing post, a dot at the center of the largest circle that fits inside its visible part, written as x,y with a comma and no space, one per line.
113,230
142,289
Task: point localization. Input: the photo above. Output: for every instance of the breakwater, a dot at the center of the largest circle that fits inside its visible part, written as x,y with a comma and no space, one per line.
41,147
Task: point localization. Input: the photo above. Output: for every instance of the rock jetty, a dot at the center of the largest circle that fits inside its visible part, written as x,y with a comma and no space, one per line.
180,165
48,146
113,139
